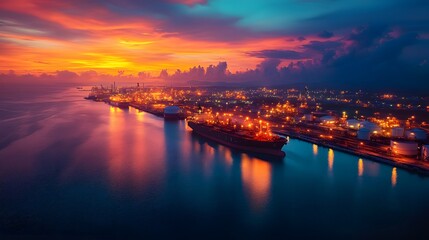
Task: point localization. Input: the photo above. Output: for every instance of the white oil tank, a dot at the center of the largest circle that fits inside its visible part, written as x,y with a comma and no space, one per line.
353,123
416,134
363,134
172,112
372,127
406,148
397,132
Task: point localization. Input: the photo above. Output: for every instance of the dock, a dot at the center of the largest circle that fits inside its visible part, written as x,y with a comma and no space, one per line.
411,165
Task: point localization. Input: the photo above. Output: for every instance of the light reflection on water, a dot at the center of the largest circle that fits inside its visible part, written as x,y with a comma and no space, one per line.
116,147
394,177
330,159
227,155
136,154
360,167
256,176
110,171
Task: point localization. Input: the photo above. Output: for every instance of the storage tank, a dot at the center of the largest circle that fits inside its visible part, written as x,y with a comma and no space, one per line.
416,134
425,152
406,148
372,127
353,123
172,112
363,134
397,132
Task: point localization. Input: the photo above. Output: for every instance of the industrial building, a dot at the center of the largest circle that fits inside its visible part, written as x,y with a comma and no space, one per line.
404,148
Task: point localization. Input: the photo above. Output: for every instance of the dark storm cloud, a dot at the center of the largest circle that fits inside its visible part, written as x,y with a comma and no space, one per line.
323,46
325,34
268,69
373,59
366,36
212,73
323,51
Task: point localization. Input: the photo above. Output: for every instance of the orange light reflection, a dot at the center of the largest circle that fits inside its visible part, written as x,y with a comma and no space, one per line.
116,146
394,177
315,149
132,165
330,159
256,175
360,167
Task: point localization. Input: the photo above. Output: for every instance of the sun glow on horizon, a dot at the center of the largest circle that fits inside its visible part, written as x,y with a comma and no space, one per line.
101,40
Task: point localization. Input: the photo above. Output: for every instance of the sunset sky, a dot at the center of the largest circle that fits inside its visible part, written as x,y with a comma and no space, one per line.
275,40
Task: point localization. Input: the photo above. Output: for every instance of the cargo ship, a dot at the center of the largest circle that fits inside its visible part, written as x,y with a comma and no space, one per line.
241,140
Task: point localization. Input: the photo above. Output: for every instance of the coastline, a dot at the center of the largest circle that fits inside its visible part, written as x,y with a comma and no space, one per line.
413,166
144,108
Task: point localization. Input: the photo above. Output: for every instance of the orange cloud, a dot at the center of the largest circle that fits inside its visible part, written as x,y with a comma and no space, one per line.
42,36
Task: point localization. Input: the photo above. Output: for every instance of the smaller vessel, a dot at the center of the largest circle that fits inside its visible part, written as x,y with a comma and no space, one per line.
120,104
119,100
173,113
91,97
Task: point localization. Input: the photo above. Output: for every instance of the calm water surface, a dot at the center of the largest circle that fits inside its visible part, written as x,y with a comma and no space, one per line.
84,169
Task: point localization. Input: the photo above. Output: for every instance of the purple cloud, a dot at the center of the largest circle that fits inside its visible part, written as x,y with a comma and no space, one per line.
325,34
278,54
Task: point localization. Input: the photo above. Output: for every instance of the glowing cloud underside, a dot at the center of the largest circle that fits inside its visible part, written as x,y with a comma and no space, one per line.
265,36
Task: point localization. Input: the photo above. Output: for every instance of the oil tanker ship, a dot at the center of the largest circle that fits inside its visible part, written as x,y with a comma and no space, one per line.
241,140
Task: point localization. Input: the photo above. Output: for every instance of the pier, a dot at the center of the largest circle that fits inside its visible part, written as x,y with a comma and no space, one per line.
408,164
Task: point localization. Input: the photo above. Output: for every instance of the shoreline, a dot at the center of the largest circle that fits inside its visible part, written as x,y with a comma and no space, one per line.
413,167
143,108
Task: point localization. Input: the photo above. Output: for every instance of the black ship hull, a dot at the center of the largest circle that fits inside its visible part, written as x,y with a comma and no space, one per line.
123,105
174,116
272,148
